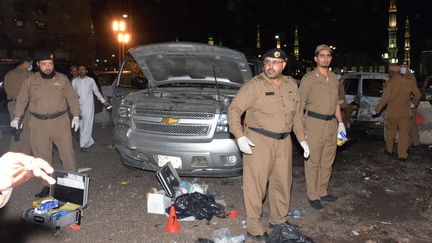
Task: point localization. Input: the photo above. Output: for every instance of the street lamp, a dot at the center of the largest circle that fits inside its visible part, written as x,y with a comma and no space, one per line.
119,27
278,44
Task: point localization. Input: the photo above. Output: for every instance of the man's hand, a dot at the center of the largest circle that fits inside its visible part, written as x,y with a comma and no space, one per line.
375,115
107,105
306,150
341,127
245,145
17,168
15,123
75,123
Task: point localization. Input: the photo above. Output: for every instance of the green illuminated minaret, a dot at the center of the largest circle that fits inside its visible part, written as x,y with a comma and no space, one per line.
392,30
296,44
407,46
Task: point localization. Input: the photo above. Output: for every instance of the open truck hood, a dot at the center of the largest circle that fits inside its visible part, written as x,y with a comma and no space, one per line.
185,62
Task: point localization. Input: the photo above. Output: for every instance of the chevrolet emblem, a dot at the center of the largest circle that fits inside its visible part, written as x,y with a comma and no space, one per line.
169,120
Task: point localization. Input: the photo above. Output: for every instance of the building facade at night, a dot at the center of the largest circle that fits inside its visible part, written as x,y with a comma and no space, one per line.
62,27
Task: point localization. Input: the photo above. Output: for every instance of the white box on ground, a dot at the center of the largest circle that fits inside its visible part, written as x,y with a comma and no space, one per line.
157,203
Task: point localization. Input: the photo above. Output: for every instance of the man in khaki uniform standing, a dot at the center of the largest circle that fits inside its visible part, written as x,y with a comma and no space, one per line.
48,93
323,121
12,82
272,105
397,98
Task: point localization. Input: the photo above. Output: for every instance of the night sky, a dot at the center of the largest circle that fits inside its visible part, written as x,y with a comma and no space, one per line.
356,26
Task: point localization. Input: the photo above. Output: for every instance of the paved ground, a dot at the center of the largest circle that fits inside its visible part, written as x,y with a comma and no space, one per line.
380,199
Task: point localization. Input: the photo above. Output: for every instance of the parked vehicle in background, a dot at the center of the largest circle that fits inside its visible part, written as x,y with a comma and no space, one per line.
366,88
106,79
178,110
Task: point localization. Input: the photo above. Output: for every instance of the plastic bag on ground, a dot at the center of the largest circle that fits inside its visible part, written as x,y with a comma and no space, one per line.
199,205
288,233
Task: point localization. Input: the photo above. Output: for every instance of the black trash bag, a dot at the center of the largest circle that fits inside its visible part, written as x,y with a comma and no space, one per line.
199,205
288,233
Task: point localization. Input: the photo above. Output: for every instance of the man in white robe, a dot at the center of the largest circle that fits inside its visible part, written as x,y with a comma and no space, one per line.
85,87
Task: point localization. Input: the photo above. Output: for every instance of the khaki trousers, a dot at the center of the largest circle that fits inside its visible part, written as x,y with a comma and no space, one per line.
270,162
413,138
21,145
321,138
43,133
401,125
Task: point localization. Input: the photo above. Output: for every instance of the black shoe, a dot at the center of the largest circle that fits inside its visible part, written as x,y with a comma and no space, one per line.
316,204
264,237
43,193
403,160
329,198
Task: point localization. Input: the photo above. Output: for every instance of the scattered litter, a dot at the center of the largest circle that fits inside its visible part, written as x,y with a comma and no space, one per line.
203,240
355,233
388,223
366,178
75,227
244,224
124,181
288,233
233,214
224,236
108,146
388,190
80,170
295,214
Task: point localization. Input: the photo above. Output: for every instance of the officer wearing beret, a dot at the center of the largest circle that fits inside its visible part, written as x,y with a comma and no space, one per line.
397,99
323,121
272,105
48,93
12,82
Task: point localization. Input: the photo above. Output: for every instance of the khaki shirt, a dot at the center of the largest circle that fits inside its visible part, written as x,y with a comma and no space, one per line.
267,106
318,93
397,97
13,81
46,95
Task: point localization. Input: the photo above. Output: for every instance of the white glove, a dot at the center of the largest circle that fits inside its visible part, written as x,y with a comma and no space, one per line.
14,123
412,105
341,127
306,150
244,145
75,123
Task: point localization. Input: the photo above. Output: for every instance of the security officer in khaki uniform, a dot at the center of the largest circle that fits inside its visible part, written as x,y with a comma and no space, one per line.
323,121
12,82
272,105
48,94
397,98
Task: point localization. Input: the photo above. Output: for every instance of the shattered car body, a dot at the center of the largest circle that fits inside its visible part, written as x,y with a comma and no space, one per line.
179,115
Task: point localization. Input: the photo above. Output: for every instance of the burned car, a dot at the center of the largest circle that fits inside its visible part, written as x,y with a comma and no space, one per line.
178,113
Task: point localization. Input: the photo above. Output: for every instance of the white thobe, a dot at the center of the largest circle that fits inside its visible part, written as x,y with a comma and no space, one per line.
85,87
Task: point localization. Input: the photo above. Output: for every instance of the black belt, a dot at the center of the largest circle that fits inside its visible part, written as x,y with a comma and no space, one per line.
270,134
321,116
48,116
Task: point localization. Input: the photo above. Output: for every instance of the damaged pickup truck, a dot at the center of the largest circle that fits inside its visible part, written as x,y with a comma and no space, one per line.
178,113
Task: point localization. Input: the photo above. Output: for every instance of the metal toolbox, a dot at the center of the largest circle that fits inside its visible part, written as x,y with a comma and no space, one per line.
71,190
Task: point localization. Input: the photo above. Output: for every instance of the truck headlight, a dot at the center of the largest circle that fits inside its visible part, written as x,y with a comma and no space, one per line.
222,124
124,115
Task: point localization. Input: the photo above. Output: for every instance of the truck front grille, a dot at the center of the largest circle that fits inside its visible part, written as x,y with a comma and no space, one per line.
178,114
173,129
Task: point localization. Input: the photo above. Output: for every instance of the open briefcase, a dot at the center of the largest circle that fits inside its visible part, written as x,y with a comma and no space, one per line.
71,193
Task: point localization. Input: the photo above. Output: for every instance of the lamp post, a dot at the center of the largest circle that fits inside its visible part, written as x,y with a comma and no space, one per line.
119,27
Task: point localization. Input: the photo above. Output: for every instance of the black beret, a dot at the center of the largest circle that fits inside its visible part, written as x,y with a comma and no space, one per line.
275,53
44,56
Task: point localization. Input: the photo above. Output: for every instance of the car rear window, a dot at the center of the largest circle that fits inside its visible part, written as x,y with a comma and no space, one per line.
373,87
351,86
